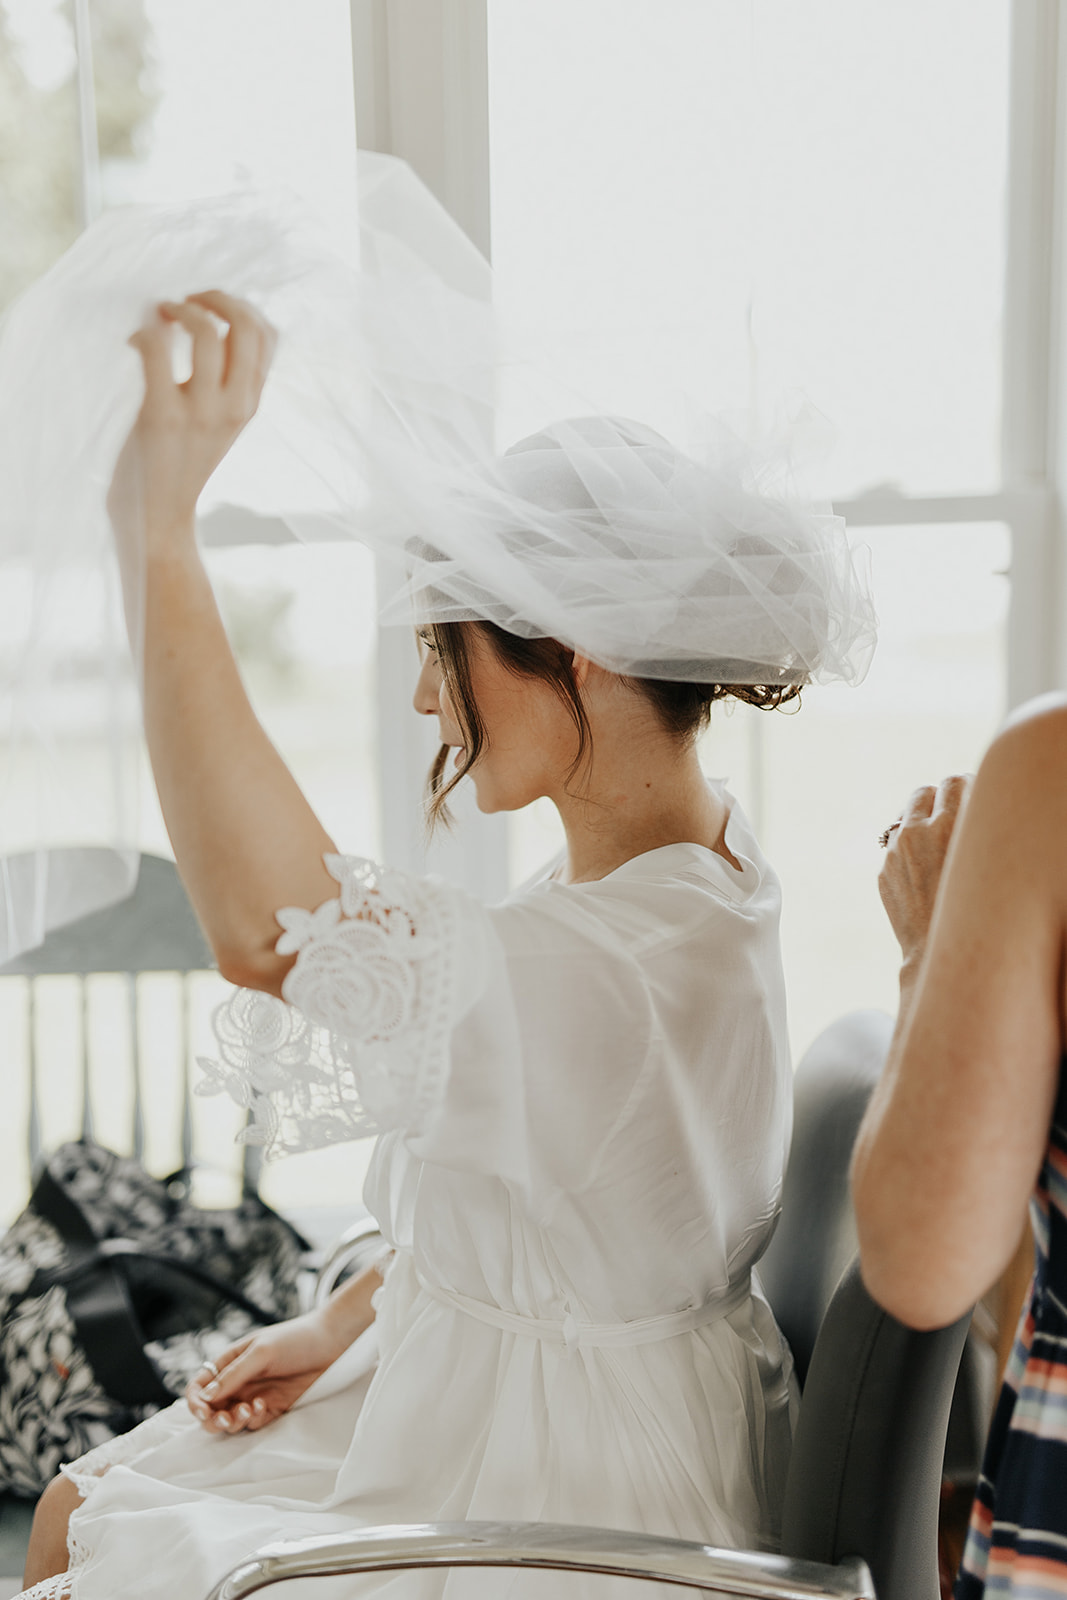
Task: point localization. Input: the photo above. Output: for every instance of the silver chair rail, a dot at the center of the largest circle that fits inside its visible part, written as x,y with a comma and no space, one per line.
561,1547
355,1249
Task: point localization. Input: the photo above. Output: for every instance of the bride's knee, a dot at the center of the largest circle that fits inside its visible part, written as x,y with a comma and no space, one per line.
47,1553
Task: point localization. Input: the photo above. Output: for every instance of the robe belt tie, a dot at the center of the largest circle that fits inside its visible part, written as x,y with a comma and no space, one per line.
573,1334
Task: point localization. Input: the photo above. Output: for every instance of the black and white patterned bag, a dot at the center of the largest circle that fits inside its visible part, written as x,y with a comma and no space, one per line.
114,1289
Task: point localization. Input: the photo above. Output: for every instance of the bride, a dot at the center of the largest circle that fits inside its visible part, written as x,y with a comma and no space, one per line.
582,1095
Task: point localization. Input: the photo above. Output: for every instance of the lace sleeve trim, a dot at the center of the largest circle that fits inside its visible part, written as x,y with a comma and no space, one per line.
361,1043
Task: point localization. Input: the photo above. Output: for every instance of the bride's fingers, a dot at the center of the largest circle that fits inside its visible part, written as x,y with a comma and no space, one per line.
236,1419
208,1375
249,1416
260,1415
202,1392
208,351
233,1351
244,1369
250,344
153,344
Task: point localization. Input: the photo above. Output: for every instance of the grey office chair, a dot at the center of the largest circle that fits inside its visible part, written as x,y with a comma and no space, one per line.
816,1235
816,1238
862,1495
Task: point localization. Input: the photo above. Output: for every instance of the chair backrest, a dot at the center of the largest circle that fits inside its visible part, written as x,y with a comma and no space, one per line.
153,931
865,1474
816,1236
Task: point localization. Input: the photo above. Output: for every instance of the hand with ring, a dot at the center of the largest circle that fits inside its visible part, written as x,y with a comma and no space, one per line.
916,847
258,1378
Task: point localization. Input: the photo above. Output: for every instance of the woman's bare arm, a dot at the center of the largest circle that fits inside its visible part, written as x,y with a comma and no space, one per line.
245,838
953,1140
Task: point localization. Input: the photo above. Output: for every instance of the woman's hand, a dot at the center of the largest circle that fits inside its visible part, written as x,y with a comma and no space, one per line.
261,1376
915,857
184,429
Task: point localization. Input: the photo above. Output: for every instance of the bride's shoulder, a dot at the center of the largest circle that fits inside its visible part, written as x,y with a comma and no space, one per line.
672,895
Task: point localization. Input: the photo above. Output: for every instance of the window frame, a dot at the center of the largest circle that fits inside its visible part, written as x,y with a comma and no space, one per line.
420,72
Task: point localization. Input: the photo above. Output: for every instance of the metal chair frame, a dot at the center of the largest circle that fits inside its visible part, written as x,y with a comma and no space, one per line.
553,1546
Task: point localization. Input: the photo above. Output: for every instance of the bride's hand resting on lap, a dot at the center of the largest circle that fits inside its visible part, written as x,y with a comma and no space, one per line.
261,1376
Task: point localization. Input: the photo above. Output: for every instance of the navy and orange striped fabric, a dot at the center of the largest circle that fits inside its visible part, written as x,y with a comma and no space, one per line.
1017,1542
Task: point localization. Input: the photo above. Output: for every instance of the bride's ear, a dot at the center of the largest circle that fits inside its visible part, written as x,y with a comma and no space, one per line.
582,667
590,675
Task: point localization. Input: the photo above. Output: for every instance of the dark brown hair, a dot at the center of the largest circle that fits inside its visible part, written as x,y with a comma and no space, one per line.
684,709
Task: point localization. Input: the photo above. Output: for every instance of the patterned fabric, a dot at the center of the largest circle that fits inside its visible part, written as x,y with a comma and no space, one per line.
53,1406
1017,1543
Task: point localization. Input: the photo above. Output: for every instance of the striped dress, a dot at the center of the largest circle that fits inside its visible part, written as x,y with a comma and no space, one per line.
1017,1542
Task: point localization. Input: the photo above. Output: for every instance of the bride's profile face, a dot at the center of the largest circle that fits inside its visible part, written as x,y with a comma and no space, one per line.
530,741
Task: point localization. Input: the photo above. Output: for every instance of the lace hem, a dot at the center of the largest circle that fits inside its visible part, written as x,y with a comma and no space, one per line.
64,1585
360,1044
84,1474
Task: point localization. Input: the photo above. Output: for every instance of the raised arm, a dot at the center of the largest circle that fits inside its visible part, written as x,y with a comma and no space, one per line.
245,838
954,1137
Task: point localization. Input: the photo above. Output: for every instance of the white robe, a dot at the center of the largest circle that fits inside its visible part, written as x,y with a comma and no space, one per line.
588,1103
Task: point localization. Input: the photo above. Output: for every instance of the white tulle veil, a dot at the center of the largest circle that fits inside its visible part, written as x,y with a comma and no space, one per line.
379,423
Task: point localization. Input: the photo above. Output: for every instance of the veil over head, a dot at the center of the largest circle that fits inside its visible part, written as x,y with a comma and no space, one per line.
598,532
380,422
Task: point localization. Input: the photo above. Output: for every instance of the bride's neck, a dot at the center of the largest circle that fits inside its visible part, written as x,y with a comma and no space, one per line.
632,800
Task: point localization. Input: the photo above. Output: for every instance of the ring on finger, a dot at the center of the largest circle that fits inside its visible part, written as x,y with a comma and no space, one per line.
884,837
209,1366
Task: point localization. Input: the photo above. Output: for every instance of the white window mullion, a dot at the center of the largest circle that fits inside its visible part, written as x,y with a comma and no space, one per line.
420,70
1029,242
1034,460
1035,628
1057,342
1030,515
1035,623
89,145
889,509
422,92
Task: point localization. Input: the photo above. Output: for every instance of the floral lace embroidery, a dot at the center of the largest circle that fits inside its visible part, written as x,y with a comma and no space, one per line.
85,1472
360,1044
64,1586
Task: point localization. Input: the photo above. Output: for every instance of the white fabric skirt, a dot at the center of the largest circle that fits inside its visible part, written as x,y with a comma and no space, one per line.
685,1435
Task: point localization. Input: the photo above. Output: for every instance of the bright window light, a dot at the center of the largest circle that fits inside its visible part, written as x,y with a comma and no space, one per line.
821,784
734,201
